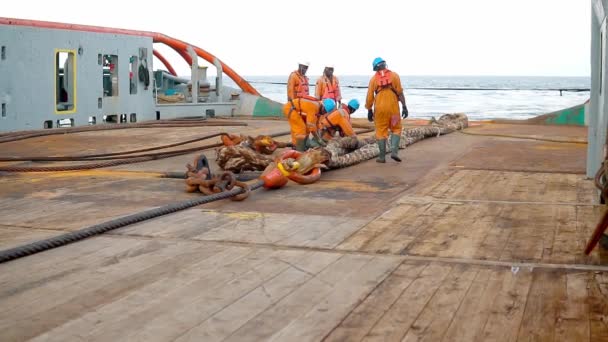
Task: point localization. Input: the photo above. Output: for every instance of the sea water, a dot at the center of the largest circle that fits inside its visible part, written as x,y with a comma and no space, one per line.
490,97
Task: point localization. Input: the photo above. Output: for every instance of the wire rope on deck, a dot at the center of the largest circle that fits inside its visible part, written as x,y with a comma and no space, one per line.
67,238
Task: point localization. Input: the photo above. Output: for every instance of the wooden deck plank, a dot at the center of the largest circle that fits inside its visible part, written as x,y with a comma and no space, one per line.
200,275
395,322
181,308
504,231
137,308
403,230
547,293
498,231
197,305
472,315
359,322
598,306
507,306
433,322
573,316
363,236
116,279
443,239
587,219
507,186
250,227
565,247
527,234
299,302
231,318
62,263
11,237
339,302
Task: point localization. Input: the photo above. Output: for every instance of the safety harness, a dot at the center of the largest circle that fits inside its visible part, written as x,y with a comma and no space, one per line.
384,80
331,89
302,86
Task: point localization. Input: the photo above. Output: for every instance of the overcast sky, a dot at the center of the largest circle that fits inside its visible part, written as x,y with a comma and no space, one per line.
416,37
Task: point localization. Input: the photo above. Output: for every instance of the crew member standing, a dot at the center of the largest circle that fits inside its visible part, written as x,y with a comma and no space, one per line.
384,94
328,86
297,84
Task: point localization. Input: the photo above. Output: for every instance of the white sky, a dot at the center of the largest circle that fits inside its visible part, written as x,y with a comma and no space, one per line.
416,37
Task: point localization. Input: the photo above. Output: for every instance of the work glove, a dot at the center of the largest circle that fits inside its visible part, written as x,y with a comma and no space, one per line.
404,112
370,115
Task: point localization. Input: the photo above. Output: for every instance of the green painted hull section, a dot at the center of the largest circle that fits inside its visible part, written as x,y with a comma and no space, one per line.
267,108
574,116
569,116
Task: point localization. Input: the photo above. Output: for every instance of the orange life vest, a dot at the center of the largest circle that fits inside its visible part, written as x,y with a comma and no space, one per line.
330,120
331,89
301,86
383,80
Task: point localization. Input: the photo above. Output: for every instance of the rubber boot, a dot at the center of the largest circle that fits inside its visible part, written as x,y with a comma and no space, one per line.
312,143
382,148
395,147
301,145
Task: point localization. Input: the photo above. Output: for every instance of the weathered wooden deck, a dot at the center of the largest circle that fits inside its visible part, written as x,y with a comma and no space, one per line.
472,238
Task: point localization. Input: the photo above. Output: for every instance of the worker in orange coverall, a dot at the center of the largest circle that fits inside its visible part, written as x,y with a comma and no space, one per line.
384,93
338,121
302,114
328,86
297,84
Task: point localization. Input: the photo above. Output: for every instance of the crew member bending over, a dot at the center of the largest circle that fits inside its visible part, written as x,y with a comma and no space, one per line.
302,115
338,121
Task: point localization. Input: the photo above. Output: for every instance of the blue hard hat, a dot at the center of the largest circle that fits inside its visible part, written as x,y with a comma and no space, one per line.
329,105
377,61
354,104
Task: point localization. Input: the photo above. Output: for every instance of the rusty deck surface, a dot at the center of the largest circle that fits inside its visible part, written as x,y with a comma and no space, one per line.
476,236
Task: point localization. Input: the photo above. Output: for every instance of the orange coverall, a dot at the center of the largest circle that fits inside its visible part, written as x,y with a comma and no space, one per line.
297,85
302,116
338,118
326,89
386,106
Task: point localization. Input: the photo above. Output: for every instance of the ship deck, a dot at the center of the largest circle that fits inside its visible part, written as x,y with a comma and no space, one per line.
476,236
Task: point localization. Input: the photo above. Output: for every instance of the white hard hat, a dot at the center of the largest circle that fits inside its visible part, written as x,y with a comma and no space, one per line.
304,63
331,66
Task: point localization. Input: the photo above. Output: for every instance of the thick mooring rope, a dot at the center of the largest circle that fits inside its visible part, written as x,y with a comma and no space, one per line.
350,150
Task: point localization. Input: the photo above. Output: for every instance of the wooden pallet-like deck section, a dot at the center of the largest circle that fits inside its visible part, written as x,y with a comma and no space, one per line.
451,245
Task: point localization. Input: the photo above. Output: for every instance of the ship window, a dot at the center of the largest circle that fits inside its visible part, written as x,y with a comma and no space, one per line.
110,118
4,110
3,53
99,59
133,75
65,81
65,123
110,75
48,124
